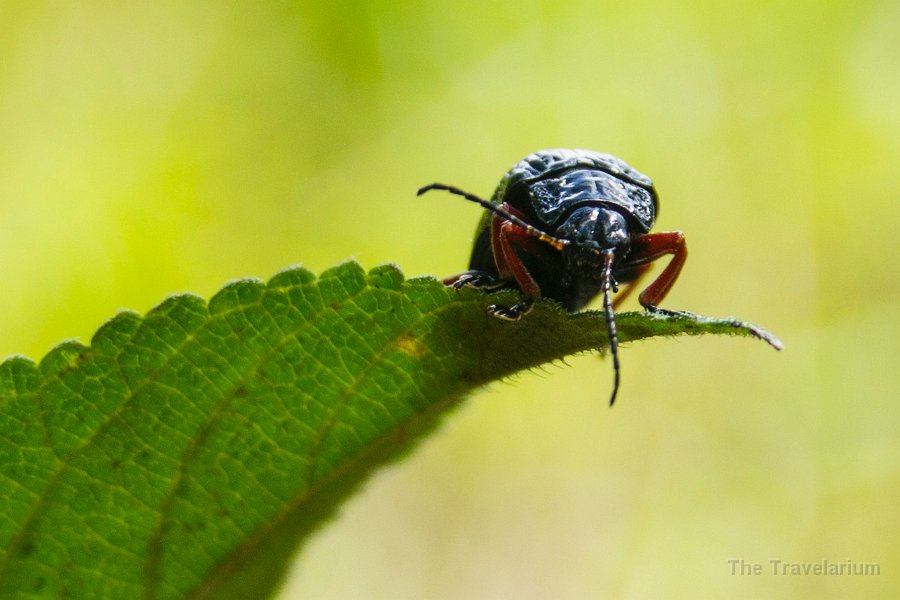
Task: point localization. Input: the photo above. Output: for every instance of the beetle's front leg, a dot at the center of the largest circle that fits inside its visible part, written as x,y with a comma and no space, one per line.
487,282
647,248
505,237
474,279
511,313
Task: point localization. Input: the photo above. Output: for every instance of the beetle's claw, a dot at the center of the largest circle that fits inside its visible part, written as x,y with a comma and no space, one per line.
477,280
505,313
651,308
510,313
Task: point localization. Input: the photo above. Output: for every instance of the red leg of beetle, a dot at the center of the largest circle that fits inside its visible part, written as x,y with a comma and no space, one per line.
452,279
647,248
497,249
630,286
505,236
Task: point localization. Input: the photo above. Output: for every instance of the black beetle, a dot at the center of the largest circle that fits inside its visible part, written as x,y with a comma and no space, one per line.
567,225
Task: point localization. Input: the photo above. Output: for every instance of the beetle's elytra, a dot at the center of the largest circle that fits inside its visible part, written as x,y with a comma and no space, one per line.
569,225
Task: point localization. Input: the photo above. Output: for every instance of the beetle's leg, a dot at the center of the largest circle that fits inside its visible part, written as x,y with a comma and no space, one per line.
630,282
647,248
475,279
505,236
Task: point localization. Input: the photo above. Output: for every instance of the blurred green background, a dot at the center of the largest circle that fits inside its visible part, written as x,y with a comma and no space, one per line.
160,147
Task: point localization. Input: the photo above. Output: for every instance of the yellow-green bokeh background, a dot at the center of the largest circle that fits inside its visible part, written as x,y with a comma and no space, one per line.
149,148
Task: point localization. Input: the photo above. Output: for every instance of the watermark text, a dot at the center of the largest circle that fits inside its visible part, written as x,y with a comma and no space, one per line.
824,567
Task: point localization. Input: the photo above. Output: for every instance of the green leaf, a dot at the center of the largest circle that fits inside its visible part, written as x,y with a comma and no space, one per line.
186,453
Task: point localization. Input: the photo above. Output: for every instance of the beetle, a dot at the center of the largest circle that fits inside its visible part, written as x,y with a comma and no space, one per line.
569,225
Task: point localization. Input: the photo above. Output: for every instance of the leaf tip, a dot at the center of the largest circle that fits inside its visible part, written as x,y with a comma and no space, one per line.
764,335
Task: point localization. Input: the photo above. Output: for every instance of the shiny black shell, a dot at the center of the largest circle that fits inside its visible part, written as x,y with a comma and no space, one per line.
546,187
548,183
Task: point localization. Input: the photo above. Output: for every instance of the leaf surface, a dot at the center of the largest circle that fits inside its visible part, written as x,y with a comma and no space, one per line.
186,453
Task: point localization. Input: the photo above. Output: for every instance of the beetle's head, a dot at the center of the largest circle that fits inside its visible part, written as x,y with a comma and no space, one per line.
592,230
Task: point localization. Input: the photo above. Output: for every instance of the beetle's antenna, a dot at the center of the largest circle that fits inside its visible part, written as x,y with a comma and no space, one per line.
608,256
531,230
